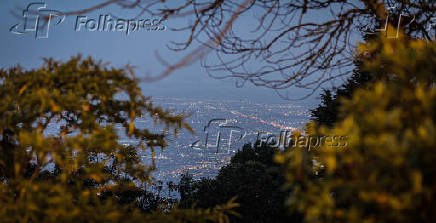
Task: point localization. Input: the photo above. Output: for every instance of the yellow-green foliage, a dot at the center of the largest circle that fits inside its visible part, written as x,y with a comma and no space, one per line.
387,171
87,99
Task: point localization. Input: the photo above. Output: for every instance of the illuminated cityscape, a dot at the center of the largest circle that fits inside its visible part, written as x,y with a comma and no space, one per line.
252,117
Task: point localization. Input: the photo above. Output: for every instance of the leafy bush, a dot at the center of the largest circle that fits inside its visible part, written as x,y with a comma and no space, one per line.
69,174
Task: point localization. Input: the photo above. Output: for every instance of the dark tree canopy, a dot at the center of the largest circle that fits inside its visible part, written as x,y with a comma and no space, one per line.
253,178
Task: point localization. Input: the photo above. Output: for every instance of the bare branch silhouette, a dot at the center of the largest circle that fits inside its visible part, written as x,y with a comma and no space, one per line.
275,43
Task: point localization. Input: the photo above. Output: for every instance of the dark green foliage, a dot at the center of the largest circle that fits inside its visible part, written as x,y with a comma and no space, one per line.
137,197
253,177
327,113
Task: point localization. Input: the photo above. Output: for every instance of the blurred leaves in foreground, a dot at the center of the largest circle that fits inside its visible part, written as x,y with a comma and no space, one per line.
387,172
